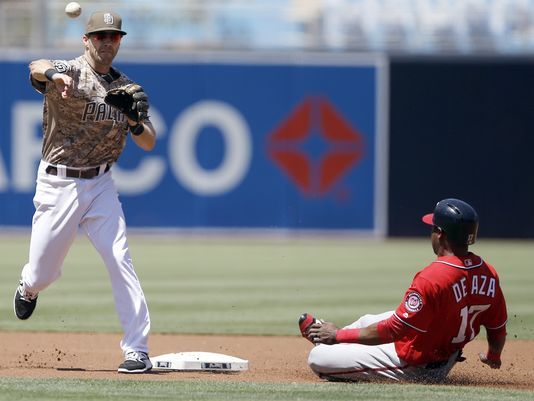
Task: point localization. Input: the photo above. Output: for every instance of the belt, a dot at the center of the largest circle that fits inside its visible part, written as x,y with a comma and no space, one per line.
86,173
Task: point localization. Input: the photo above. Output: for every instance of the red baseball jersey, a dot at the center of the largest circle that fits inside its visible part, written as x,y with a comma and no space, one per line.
445,306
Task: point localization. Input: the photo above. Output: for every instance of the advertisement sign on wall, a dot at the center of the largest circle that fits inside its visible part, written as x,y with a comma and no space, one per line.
292,144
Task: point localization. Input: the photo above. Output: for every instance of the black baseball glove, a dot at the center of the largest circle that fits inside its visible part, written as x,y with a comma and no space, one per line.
131,100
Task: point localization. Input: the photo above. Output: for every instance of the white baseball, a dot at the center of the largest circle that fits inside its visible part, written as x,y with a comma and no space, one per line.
73,9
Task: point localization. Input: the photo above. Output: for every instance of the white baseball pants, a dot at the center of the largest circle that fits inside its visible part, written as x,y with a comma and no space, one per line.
62,205
357,362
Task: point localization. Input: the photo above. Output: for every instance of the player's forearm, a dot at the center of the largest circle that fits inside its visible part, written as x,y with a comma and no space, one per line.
383,332
496,344
367,335
147,139
496,341
38,69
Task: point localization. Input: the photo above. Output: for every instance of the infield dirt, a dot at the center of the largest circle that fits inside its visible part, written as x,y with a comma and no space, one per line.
272,359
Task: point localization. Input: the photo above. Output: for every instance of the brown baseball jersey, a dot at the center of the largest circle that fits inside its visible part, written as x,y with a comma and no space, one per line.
82,130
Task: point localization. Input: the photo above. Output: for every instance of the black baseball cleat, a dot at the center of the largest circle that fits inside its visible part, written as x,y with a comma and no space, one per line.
135,362
305,322
23,306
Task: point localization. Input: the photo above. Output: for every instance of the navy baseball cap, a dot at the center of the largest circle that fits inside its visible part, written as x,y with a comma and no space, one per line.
104,21
456,218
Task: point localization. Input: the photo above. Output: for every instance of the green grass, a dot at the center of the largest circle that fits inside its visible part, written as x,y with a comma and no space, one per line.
60,390
251,286
248,286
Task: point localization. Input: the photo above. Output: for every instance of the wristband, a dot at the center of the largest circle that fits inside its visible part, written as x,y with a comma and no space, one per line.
49,74
347,335
137,129
493,356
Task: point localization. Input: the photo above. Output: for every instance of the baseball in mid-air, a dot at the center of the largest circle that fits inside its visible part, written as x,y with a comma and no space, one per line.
73,9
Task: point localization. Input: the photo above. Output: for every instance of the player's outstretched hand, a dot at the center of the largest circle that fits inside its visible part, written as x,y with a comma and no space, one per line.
63,84
492,363
323,333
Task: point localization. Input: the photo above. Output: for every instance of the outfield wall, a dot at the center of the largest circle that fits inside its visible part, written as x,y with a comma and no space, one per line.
306,142
462,128
262,142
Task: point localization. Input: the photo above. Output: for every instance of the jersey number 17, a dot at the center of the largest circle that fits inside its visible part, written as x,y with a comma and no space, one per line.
468,314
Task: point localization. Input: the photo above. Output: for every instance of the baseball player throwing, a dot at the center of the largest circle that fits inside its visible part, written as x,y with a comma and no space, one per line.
441,312
83,137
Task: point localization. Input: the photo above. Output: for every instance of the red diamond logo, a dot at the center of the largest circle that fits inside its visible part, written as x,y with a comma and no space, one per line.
343,150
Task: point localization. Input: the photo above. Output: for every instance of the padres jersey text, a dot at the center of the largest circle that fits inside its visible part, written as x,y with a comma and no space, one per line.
67,139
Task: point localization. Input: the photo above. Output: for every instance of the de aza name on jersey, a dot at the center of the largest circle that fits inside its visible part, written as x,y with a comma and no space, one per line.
479,285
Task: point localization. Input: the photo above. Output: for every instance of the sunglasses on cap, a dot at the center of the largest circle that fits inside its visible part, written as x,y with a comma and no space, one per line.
101,36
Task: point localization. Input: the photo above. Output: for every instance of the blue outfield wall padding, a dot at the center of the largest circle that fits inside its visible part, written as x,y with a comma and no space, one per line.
281,145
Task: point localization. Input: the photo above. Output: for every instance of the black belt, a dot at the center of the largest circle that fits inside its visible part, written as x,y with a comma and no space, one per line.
86,173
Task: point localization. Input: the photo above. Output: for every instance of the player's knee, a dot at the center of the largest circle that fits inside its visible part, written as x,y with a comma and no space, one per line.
365,320
320,359
115,252
369,319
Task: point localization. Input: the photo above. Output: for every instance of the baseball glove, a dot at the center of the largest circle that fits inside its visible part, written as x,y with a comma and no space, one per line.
131,100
